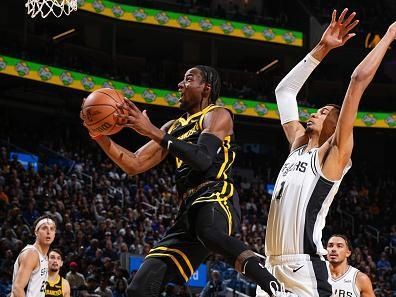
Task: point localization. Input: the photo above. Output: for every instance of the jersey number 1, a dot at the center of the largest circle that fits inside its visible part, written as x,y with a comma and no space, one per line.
280,192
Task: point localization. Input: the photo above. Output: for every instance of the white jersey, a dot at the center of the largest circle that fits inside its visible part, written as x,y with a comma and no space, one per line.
38,278
345,285
299,206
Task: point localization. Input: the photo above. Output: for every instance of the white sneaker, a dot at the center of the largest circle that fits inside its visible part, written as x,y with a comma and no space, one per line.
280,292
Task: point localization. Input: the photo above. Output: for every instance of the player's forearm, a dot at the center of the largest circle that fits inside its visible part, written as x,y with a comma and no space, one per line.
199,156
125,159
17,291
320,51
366,70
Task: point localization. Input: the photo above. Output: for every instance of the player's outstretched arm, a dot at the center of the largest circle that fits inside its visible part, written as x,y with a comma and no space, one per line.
363,283
145,158
342,143
28,261
217,125
336,35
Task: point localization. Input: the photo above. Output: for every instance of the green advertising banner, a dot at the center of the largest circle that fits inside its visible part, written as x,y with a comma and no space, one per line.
85,82
191,22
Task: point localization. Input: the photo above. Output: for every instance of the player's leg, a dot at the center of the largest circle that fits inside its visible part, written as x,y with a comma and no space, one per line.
152,277
212,224
304,275
174,259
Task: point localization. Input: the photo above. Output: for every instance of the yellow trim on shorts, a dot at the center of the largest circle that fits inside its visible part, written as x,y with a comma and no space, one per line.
215,194
174,261
227,209
222,202
183,255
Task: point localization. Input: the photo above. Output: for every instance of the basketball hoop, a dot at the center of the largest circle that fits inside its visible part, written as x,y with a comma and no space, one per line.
45,7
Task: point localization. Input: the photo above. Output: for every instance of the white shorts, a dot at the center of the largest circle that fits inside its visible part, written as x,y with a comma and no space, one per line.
303,275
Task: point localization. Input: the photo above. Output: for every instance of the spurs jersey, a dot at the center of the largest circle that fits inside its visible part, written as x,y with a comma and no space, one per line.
39,276
189,129
300,202
345,285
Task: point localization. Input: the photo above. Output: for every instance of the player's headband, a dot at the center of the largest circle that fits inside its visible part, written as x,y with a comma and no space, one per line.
42,222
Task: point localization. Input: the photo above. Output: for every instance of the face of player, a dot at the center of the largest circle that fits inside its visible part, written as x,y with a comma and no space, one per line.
54,261
46,233
323,121
338,250
192,89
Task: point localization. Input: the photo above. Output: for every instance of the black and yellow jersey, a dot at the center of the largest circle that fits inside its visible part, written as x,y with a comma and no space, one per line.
54,289
189,129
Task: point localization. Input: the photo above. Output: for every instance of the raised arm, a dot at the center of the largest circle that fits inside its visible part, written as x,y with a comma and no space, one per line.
28,261
336,35
148,156
342,143
217,125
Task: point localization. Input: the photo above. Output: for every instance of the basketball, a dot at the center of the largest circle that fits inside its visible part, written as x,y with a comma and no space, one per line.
98,111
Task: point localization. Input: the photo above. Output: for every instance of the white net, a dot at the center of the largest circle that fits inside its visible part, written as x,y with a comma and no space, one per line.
46,7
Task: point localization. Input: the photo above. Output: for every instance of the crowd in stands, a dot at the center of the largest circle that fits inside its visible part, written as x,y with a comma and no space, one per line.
104,215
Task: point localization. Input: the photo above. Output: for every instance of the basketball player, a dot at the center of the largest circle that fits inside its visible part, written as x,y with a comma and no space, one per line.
346,280
319,157
57,286
31,266
203,143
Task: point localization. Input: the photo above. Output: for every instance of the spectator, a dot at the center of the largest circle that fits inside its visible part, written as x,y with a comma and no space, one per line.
75,279
215,287
383,264
103,290
119,289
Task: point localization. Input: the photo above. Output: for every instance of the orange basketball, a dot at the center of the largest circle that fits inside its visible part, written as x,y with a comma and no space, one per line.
98,111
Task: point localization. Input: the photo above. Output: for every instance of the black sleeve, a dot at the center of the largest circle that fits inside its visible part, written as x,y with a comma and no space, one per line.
199,156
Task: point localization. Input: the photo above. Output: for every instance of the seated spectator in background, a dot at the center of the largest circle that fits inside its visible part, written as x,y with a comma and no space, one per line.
119,289
215,287
383,264
103,290
75,279
119,276
5,284
3,196
31,213
89,290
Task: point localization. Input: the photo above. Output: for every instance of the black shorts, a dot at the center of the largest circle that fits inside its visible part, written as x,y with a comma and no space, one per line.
180,247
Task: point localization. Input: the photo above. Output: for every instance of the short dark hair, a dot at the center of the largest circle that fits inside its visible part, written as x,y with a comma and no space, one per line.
212,77
58,251
348,243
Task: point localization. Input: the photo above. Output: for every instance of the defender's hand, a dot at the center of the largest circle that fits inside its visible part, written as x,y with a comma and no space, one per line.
337,33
